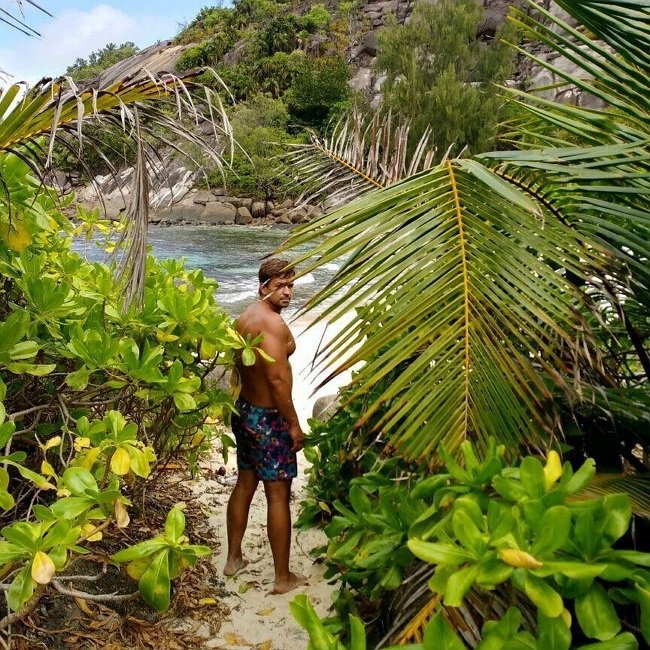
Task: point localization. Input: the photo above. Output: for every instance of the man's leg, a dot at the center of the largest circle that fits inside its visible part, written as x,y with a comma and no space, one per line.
237,519
278,525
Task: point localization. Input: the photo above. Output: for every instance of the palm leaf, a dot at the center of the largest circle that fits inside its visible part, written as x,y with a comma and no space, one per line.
56,110
362,153
459,272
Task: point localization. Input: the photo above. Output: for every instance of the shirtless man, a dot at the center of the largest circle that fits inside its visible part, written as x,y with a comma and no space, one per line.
267,429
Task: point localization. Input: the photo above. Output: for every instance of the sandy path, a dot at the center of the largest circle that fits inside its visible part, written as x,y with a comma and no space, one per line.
258,619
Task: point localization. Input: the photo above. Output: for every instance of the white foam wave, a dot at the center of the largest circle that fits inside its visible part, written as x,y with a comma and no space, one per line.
237,297
306,279
331,267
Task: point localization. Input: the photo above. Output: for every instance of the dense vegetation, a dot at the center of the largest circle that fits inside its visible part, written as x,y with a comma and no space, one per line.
496,306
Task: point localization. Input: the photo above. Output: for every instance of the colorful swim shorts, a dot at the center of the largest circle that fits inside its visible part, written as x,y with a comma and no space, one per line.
263,442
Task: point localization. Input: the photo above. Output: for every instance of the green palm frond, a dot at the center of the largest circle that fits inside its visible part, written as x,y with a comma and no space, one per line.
362,153
465,282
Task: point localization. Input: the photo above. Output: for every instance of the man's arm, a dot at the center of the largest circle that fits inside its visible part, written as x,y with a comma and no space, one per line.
278,375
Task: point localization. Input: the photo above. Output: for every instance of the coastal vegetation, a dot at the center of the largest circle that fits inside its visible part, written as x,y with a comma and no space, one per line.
498,315
484,481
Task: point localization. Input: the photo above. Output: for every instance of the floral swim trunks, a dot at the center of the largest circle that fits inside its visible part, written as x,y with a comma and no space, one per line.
263,442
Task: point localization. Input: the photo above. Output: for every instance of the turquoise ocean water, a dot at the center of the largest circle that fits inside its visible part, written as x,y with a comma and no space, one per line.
230,255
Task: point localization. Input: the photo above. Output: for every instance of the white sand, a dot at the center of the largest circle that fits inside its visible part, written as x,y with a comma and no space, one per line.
258,619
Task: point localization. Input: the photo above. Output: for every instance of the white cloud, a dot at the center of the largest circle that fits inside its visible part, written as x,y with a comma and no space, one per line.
70,35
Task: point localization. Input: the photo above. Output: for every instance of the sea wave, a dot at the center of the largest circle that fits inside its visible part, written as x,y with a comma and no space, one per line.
306,279
239,296
330,267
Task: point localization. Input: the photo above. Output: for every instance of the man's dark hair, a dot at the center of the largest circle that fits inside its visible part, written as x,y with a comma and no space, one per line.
274,267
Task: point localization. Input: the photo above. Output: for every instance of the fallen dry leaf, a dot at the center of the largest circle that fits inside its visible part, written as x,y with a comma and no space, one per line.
234,639
265,612
83,606
265,645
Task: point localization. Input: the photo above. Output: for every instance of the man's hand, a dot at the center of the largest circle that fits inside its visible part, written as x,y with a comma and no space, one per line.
298,438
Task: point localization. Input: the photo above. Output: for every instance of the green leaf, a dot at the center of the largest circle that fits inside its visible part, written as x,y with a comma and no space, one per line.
184,402
439,635
618,513
437,553
596,614
459,584
21,588
78,480
137,552
582,477
625,641
357,633
553,530
553,633
78,380
548,601
532,477
643,595
155,585
174,525
248,357
71,507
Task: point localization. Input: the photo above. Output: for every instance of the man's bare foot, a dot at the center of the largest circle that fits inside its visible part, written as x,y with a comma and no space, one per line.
233,565
284,586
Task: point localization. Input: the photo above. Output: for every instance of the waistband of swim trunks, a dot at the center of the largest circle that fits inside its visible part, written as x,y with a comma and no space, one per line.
244,404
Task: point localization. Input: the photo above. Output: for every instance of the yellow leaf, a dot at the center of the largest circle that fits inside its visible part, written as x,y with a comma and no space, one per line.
89,458
122,518
47,469
42,568
81,443
552,469
208,601
137,568
566,617
164,337
16,235
52,442
120,462
197,439
265,645
265,612
520,559
87,533
234,639
63,492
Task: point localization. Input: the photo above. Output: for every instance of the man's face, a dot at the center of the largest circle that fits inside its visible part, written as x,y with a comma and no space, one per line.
277,292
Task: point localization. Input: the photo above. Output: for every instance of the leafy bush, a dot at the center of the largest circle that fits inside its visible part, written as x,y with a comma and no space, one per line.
319,86
318,19
207,53
440,74
92,395
259,126
484,524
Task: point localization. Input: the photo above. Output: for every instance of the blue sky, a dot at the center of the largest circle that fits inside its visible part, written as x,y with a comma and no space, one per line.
81,26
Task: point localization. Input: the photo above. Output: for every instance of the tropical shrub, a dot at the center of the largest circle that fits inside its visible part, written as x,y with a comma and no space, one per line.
485,524
94,393
440,74
320,86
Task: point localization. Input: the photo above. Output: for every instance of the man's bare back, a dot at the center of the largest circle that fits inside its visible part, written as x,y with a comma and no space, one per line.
258,319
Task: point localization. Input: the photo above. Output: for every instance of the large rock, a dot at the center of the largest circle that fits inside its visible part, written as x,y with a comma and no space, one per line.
218,213
244,217
258,210
325,407
203,197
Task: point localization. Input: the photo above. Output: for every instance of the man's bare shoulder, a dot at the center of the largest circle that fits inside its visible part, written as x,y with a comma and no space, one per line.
258,319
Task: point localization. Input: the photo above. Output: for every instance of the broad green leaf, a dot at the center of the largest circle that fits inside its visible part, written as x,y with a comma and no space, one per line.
438,634
548,601
21,588
184,402
437,553
596,614
174,525
154,585
120,461
139,551
78,480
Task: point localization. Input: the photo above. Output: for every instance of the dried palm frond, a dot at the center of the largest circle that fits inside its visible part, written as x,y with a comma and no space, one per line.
413,605
131,274
362,153
145,107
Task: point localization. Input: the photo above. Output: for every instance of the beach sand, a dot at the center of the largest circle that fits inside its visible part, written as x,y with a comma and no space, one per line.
258,619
